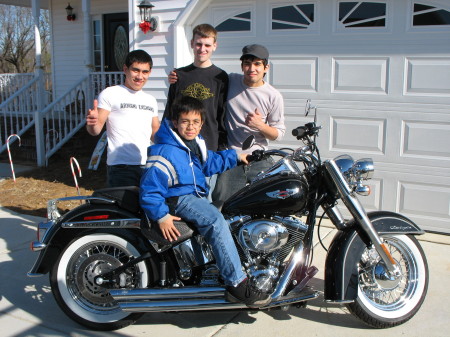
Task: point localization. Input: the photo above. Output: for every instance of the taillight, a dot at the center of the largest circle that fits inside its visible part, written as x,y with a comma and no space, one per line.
96,217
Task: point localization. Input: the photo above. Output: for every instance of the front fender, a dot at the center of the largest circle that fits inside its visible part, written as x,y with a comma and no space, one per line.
341,266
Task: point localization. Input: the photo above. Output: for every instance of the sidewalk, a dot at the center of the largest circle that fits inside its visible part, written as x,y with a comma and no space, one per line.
5,170
27,307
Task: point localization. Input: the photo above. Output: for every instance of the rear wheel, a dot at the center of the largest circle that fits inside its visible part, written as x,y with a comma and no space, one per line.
72,280
384,301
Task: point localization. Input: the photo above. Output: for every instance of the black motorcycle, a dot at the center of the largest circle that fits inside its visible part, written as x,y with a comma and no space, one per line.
108,265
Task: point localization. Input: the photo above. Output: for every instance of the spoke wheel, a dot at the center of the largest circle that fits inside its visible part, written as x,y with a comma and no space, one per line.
385,300
72,280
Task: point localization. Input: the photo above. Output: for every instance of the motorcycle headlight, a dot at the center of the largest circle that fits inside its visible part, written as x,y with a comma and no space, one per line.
363,169
355,172
345,164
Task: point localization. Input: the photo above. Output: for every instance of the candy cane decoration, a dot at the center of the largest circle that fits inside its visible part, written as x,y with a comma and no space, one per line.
9,153
72,159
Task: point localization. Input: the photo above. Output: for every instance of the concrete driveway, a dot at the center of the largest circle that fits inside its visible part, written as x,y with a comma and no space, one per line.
27,307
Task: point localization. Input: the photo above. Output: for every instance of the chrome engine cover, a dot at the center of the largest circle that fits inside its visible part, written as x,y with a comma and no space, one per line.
263,235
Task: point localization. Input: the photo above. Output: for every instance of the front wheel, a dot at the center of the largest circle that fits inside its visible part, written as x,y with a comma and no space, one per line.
72,280
384,301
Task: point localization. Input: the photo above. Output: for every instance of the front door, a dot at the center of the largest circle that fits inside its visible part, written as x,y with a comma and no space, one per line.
116,40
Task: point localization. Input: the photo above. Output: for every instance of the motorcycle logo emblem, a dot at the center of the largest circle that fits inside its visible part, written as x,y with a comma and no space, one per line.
282,194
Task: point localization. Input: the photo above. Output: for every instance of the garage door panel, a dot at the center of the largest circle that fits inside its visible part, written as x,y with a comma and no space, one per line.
422,198
229,65
428,200
360,75
299,74
358,135
427,76
425,140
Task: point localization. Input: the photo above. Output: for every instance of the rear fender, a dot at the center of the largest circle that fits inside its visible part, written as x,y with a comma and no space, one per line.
70,227
341,272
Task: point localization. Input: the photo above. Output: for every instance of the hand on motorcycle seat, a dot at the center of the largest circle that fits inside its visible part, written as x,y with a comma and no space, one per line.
168,229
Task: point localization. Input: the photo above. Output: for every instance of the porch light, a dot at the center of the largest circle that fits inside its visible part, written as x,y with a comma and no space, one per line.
70,15
147,21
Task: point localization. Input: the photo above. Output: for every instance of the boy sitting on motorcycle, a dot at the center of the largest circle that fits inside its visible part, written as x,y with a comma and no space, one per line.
174,187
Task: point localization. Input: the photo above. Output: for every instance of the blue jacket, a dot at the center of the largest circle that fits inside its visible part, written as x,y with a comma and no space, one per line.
172,170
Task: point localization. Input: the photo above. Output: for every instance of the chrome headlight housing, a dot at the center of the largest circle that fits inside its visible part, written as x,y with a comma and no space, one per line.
355,172
345,164
363,169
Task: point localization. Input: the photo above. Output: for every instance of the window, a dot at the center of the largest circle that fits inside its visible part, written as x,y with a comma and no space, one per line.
293,17
354,14
97,45
425,15
238,23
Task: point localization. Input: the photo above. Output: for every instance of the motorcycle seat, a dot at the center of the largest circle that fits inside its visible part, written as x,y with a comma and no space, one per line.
126,197
151,231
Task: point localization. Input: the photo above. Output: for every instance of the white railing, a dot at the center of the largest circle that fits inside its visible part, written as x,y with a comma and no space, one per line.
65,116
100,81
17,112
59,120
11,83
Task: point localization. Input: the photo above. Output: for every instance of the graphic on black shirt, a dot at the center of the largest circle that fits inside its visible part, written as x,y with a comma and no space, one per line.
197,90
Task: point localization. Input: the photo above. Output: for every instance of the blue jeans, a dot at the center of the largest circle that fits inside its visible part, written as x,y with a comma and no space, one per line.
214,228
124,175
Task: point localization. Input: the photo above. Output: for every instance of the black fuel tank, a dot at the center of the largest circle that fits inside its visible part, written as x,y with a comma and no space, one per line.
282,194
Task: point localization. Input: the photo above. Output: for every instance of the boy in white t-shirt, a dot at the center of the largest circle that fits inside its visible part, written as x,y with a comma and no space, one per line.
131,118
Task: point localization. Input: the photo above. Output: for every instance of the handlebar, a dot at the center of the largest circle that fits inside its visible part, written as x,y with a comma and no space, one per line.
258,155
309,129
299,132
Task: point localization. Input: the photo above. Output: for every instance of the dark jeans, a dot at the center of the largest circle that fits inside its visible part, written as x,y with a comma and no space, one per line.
231,181
124,175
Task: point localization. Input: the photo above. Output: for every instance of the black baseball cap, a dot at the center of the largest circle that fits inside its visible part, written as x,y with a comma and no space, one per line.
255,50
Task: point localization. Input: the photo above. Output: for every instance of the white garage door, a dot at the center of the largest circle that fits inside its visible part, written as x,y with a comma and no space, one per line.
379,72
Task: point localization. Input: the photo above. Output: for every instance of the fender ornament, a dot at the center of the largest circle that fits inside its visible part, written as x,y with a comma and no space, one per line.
284,194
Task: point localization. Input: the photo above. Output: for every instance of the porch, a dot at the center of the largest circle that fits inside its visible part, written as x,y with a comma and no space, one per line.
27,101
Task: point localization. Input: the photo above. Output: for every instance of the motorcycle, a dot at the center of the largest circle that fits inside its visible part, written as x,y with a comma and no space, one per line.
108,265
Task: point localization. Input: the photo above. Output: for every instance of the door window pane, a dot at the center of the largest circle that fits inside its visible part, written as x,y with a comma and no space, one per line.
237,23
362,14
430,16
292,17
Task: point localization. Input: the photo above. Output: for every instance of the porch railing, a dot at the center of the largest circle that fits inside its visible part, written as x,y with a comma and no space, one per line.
65,116
100,81
59,120
17,112
11,83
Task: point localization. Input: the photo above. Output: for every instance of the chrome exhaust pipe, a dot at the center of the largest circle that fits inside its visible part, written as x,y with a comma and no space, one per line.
190,299
180,305
156,294
173,299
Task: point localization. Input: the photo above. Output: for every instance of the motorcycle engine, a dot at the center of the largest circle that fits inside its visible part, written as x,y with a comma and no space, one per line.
264,244
263,236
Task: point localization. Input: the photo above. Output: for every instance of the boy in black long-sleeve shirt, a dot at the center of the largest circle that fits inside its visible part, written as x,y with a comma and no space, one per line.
206,82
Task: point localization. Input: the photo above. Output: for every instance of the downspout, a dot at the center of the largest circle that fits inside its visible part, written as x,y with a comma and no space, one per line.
39,73
87,29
